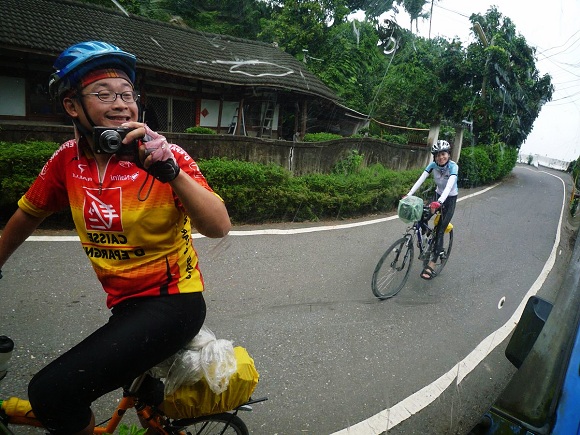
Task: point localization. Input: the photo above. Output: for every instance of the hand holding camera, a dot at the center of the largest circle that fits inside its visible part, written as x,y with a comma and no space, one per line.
158,159
109,140
152,153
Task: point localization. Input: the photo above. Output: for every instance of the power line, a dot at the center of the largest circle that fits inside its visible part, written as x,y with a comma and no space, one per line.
562,68
567,87
452,11
565,103
566,82
558,46
560,52
567,96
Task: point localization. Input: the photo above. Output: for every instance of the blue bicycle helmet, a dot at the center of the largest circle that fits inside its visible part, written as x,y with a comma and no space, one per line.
79,59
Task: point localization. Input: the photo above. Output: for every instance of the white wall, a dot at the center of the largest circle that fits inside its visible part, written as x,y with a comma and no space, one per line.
12,96
547,162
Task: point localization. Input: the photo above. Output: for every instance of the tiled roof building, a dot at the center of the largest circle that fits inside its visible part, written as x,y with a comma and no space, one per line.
206,79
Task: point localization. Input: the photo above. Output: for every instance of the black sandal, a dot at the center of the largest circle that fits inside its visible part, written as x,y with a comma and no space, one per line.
428,270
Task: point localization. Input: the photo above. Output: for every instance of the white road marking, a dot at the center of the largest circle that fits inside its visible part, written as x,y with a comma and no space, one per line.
266,231
501,303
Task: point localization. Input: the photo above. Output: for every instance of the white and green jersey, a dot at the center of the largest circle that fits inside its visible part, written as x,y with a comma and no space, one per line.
445,179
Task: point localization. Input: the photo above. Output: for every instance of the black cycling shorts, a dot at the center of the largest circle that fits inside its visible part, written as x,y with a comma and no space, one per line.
140,333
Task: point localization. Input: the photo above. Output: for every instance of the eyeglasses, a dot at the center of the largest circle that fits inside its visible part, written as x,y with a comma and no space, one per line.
109,97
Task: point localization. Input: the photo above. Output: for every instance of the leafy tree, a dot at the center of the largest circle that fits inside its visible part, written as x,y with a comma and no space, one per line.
512,90
428,81
239,18
372,8
379,68
227,17
295,26
404,96
415,10
351,63
154,9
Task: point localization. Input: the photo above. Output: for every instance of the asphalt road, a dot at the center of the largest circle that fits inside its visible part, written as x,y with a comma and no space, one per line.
298,297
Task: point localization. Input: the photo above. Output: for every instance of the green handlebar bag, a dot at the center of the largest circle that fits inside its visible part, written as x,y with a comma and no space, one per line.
410,209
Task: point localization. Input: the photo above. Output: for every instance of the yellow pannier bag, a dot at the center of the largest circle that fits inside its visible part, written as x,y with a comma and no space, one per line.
195,400
449,226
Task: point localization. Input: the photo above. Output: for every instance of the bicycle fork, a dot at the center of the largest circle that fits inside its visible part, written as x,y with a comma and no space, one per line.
405,257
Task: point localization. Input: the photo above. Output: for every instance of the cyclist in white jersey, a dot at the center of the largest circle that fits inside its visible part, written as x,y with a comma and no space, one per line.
445,173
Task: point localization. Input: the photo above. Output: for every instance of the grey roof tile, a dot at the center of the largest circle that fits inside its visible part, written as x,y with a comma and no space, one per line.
50,26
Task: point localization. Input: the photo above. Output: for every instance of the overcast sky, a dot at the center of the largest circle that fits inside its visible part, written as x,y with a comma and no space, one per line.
554,29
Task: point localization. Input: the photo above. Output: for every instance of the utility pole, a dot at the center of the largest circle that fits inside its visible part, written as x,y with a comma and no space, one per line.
486,44
431,17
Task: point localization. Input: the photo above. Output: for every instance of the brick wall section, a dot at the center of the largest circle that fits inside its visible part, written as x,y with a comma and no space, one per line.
300,157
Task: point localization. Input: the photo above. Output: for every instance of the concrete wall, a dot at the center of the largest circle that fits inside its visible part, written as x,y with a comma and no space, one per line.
298,157
303,157
548,162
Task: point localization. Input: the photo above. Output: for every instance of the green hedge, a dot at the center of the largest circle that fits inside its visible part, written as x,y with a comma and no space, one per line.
485,164
320,137
256,193
20,164
200,130
396,138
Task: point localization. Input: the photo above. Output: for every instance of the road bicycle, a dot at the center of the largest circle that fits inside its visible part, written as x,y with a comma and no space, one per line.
392,270
143,395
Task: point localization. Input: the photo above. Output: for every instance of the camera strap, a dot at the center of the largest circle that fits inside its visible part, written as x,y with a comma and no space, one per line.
139,197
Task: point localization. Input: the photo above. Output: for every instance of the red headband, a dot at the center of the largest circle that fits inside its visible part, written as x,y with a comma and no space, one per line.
101,74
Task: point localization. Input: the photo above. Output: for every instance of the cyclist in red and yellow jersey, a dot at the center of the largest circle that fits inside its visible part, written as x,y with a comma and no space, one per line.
135,199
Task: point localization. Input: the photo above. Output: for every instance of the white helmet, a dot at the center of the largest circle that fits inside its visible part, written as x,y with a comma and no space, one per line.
440,145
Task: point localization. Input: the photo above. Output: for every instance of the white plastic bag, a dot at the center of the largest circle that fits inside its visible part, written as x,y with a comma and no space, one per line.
203,337
218,363
185,370
205,356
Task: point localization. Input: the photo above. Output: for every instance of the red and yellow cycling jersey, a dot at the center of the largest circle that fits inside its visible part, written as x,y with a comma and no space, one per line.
137,246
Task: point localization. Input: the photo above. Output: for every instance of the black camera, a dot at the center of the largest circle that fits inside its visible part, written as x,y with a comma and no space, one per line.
109,140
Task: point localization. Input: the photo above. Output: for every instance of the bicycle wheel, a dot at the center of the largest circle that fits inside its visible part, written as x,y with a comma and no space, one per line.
441,260
227,424
392,270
